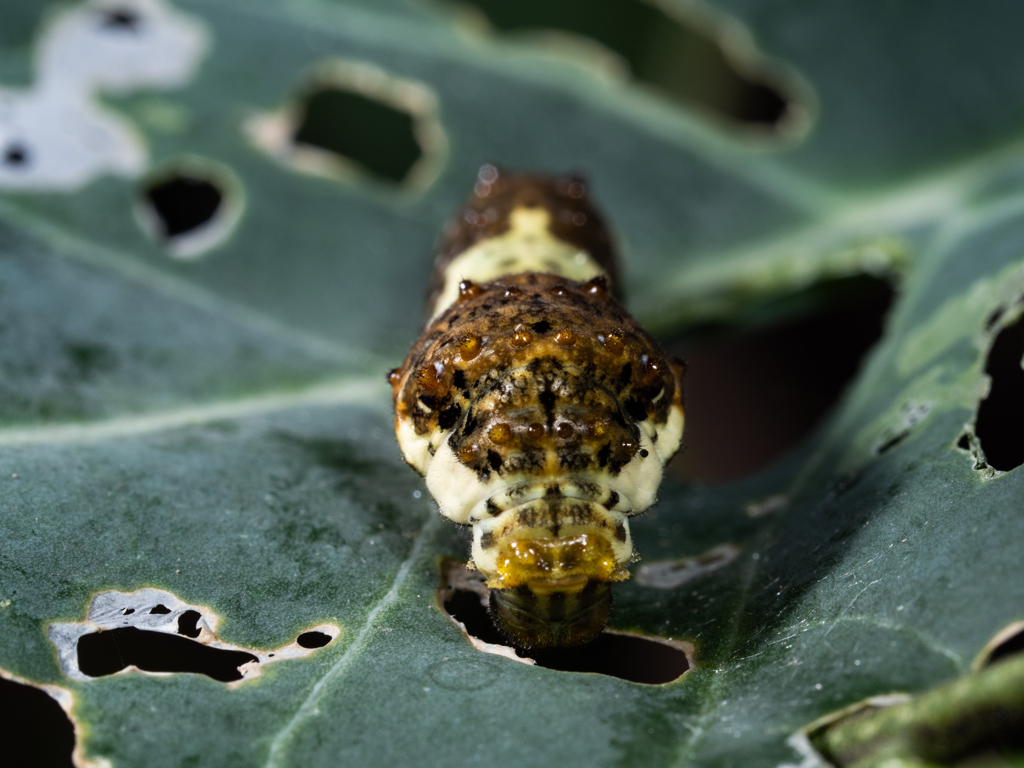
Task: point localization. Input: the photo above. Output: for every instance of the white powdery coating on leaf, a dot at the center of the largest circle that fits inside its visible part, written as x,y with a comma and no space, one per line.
670,574
54,135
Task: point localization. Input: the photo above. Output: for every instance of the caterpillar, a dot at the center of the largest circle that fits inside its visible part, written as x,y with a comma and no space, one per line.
537,409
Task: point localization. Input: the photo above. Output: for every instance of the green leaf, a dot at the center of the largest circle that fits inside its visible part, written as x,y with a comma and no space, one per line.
978,713
218,427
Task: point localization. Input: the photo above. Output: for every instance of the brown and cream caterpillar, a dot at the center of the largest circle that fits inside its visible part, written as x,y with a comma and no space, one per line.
539,412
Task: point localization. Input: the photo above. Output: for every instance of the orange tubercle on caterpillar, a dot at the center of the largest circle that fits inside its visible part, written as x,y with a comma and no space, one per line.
469,347
565,338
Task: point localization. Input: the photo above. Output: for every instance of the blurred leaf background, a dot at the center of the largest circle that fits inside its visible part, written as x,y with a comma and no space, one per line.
819,205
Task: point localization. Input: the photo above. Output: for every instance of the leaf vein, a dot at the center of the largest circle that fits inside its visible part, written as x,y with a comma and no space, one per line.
308,706
362,389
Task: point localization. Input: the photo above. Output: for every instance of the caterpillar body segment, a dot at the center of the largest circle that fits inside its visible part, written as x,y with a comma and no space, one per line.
538,411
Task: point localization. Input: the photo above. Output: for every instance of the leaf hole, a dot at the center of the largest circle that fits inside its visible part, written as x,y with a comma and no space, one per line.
1008,642
108,652
162,634
758,387
680,56
121,19
628,656
184,203
189,206
188,624
34,729
313,639
377,137
1000,423
1011,646
911,414
891,442
352,121
974,720
994,318
16,155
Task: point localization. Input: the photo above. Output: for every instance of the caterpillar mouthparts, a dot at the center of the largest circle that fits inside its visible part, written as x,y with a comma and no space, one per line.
539,412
